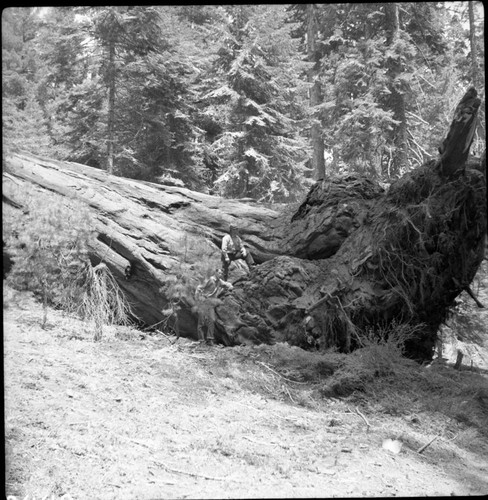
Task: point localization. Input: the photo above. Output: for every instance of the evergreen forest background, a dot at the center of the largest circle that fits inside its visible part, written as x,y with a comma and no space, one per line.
240,100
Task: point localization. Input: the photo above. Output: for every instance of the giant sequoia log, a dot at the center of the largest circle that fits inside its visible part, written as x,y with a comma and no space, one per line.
352,258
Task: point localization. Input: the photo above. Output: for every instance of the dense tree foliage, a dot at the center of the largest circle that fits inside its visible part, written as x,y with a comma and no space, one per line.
251,105
240,100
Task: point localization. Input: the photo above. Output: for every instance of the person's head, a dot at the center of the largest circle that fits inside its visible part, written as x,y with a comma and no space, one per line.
219,273
232,229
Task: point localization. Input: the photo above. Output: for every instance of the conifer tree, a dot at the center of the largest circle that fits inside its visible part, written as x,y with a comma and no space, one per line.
223,98
313,24
25,125
257,142
124,34
374,58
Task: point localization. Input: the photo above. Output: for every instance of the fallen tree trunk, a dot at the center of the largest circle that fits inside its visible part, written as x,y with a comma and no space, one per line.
153,229
352,260
149,227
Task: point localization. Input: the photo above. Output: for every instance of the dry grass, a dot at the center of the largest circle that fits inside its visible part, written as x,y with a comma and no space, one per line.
400,387
102,301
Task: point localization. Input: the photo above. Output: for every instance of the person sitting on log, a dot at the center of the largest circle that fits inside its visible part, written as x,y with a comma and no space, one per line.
205,306
233,249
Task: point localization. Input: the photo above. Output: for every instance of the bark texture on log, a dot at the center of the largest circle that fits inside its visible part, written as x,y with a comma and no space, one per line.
415,249
145,225
151,227
350,261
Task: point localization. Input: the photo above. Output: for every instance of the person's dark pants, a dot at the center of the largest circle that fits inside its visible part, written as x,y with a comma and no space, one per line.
206,321
235,256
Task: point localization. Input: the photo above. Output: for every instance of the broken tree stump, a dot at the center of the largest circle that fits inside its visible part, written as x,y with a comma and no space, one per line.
416,248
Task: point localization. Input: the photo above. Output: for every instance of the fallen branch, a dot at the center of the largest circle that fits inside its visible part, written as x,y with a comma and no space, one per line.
364,418
452,439
279,374
136,441
471,294
418,117
422,448
318,303
419,146
288,392
360,414
152,327
260,442
247,406
178,471
468,290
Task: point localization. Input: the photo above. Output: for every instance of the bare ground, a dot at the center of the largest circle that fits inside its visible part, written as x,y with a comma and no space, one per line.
143,418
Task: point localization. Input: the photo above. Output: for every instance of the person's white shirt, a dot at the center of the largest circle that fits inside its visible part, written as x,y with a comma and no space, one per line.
228,245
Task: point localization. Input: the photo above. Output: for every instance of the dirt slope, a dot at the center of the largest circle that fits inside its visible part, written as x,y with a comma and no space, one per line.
142,418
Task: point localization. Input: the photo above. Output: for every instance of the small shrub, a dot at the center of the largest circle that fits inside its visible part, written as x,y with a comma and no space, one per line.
303,365
48,243
48,240
200,261
380,357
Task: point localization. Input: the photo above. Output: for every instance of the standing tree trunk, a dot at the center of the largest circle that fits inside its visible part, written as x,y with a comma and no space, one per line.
397,97
318,160
472,45
111,77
